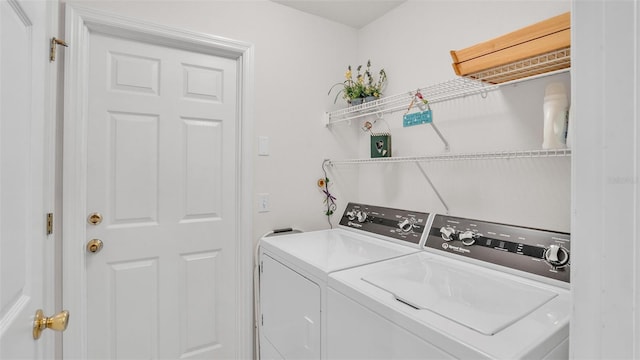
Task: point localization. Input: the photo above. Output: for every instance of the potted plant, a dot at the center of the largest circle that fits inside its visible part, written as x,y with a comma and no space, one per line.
373,88
364,85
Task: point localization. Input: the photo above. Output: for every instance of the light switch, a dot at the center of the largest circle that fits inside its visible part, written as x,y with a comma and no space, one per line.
263,202
263,145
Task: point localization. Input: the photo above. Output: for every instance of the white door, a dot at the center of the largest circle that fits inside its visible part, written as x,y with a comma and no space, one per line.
162,173
25,251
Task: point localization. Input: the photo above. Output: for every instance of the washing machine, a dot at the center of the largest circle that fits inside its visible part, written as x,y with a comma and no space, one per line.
479,290
294,270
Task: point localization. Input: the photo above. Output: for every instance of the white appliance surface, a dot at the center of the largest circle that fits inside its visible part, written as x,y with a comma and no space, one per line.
464,309
291,313
324,251
293,280
478,300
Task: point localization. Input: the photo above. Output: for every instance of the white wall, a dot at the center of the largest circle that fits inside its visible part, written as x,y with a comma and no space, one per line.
606,257
412,43
297,58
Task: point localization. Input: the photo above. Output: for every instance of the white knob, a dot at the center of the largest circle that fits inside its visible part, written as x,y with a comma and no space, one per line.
351,215
362,216
406,225
557,256
447,232
468,237
552,253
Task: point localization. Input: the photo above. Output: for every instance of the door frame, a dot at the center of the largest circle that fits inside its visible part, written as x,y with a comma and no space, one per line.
80,21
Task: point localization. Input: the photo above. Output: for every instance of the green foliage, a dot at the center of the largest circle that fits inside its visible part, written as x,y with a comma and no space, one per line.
363,85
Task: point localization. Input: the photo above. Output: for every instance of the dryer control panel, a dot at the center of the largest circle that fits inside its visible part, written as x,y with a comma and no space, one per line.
404,225
536,251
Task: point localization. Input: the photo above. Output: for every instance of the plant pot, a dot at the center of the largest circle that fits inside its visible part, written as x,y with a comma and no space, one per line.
356,101
370,98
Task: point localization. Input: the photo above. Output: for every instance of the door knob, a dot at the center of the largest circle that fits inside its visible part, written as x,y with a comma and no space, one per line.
57,322
94,218
94,245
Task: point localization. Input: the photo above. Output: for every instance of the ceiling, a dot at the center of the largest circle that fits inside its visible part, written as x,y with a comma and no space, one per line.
354,13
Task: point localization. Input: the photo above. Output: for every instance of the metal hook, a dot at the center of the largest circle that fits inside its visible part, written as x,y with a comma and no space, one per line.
325,163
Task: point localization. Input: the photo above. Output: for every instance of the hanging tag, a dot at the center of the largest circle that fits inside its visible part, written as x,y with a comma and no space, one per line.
423,117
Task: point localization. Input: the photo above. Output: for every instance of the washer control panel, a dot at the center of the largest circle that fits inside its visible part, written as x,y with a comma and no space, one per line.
540,252
403,225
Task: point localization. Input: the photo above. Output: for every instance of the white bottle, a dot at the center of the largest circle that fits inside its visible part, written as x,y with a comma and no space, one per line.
555,116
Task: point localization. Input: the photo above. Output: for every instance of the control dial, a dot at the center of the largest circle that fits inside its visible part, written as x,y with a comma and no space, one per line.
447,233
557,256
361,216
407,225
468,237
351,215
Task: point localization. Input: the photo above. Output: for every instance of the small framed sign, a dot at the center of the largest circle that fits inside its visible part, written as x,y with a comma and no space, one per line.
380,145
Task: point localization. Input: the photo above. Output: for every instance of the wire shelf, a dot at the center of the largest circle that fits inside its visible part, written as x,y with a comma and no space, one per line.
517,154
480,82
449,90
525,69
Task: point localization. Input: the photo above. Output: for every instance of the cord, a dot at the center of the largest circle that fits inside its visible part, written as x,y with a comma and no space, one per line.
256,297
330,199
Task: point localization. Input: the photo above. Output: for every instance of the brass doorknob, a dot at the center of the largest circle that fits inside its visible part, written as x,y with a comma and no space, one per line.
94,218
94,245
57,322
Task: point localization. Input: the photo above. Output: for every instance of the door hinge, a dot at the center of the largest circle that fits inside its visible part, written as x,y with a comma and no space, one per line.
52,50
49,223
262,319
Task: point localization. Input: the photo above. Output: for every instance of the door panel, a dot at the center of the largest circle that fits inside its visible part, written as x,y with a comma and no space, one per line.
16,113
24,269
202,164
134,302
161,154
198,297
132,153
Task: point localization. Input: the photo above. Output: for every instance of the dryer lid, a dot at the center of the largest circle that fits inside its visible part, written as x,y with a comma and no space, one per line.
335,249
479,300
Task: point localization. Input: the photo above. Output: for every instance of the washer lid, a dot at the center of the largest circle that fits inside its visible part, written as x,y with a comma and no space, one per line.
475,300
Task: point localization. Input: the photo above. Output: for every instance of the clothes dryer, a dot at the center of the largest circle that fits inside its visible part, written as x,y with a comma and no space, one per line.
294,270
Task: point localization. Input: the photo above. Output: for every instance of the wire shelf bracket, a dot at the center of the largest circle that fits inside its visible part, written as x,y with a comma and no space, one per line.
433,187
446,143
